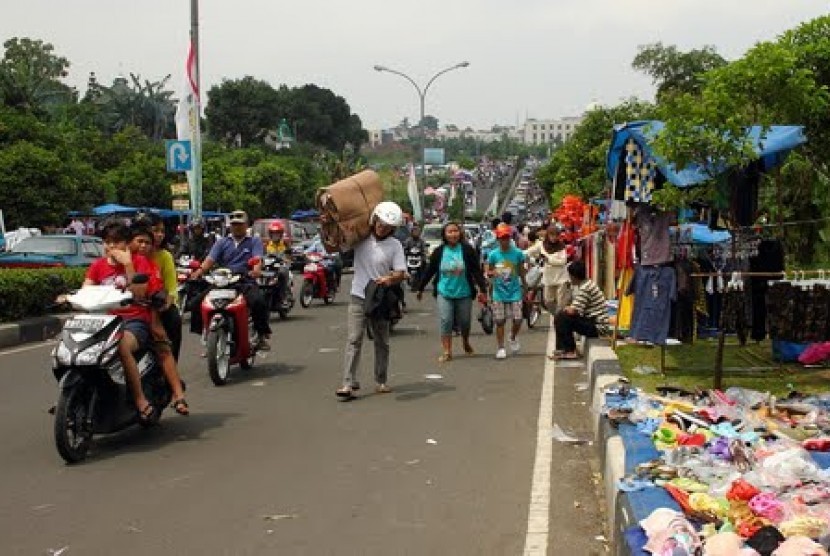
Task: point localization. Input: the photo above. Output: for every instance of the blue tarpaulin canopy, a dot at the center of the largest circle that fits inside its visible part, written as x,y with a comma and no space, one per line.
113,208
772,144
304,214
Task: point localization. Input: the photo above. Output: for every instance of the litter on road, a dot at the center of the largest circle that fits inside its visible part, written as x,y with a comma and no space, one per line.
560,435
434,377
431,441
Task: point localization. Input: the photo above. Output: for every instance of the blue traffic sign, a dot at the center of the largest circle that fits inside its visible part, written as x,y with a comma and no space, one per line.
179,156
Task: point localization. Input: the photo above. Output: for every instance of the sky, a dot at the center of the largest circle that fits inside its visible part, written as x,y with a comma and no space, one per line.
528,58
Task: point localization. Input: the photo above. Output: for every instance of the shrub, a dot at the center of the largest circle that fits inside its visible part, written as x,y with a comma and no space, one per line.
30,292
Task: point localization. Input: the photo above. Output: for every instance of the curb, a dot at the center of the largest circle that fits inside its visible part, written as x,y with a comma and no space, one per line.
35,329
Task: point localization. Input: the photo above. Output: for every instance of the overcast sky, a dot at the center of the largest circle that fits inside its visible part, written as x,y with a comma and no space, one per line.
536,58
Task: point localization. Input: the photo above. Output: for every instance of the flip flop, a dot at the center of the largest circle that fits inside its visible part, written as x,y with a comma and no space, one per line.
180,406
146,414
566,357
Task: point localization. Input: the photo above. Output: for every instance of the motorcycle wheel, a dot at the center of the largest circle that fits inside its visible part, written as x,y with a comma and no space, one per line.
183,304
307,293
533,314
71,440
218,359
486,319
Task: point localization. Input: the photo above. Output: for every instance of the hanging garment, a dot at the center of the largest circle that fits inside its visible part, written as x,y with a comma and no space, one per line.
653,230
654,288
733,314
683,319
770,258
640,173
626,308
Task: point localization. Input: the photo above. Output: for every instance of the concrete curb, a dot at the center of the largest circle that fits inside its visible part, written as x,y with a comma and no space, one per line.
35,329
604,368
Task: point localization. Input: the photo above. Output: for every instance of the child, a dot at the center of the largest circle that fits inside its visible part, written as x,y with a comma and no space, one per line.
506,265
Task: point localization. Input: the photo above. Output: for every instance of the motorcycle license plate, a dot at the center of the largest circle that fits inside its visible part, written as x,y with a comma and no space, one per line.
86,324
222,294
268,274
310,268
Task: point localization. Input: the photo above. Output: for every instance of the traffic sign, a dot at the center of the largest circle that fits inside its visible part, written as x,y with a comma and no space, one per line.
181,204
177,189
179,156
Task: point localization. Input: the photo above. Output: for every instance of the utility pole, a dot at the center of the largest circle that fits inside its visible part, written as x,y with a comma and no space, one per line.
197,144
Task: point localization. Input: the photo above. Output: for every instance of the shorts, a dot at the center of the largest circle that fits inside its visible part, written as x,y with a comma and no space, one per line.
501,309
140,329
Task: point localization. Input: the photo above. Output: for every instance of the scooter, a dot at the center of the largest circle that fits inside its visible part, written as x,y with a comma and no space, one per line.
94,397
414,266
185,266
319,281
534,299
278,295
229,332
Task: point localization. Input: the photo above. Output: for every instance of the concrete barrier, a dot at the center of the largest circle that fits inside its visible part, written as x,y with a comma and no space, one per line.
35,329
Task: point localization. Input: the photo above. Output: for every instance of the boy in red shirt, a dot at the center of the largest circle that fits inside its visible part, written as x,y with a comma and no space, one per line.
117,267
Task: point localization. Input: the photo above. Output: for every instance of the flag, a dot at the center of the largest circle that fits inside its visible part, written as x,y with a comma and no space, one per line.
414,197
187,128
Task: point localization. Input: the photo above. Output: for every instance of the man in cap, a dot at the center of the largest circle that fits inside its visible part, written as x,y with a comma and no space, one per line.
233,252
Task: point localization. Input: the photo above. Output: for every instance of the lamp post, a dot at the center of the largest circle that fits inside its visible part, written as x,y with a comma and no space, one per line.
422,93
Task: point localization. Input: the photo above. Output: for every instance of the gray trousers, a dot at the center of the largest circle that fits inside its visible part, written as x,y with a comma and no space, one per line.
357,322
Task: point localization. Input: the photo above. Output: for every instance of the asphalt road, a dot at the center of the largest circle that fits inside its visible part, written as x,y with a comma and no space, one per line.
272,463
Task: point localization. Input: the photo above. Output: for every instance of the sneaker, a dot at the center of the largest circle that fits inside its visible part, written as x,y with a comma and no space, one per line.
382,389
501,353
262,344
515,346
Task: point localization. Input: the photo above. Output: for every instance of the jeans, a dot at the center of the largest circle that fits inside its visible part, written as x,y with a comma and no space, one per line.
356,323
454,312
566,325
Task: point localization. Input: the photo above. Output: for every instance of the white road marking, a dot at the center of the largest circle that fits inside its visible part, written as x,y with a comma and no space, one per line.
37,345
536,540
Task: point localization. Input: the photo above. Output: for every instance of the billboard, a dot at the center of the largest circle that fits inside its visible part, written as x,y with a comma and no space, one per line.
433,156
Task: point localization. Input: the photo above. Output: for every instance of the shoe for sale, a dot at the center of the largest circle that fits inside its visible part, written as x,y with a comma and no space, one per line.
501,353
515,346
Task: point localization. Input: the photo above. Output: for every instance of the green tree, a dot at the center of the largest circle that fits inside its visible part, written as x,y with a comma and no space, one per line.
674,71
30,74
144,104
240,112
430,123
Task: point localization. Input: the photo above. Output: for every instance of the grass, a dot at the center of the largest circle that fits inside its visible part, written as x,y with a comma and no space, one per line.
692,366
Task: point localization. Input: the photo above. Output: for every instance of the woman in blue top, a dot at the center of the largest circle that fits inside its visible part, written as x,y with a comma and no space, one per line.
455,267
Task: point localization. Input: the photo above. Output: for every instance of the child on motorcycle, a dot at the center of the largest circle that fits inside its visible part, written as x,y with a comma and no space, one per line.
142,242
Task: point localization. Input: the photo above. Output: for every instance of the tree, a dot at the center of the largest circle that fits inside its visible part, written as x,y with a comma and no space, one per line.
674,71
145,104
240,111
430,123
30,76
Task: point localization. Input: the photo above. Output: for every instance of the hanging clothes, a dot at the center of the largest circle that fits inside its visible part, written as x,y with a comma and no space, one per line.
654,288
653,232
770,258
640,173
626,308
683,309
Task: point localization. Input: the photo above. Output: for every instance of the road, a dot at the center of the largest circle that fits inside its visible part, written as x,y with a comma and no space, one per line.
272,463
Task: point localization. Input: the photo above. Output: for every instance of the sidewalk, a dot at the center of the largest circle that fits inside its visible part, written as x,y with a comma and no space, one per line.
36,329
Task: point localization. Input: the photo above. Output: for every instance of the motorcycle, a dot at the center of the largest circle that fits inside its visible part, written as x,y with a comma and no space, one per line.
94,397
185,266
279,296
229,333
319,281
414,266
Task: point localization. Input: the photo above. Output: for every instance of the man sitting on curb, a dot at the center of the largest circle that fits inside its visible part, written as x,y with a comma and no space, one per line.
586,315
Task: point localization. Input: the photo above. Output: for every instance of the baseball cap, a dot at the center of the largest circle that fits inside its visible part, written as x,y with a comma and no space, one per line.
239,217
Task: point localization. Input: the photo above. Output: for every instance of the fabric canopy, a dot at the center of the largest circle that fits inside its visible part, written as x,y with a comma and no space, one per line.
304,214
771,144
113,208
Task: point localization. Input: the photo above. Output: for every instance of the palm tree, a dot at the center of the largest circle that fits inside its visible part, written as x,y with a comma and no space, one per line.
143,104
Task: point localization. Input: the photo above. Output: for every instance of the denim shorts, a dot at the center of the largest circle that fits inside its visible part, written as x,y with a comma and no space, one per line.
140,329
454,313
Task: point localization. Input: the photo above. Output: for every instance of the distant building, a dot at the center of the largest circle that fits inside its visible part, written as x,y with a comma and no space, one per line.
541,132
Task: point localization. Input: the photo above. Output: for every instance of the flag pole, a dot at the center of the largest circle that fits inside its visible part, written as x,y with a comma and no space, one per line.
196,200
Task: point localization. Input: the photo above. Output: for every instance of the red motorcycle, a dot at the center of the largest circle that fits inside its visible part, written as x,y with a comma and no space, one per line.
230,334
319,281
184,268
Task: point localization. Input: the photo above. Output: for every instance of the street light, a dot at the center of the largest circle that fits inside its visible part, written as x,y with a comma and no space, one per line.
422,93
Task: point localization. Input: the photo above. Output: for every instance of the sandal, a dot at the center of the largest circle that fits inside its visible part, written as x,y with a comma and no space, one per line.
146,414
468,350
382,389
445,357
181,407
566,356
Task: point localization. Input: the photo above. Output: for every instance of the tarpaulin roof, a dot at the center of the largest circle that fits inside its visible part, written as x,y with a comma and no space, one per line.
304,214
112,208
772,144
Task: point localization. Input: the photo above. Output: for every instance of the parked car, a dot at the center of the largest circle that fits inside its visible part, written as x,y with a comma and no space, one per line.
53,251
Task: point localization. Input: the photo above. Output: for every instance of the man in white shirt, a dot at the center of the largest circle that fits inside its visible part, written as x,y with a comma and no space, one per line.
379,259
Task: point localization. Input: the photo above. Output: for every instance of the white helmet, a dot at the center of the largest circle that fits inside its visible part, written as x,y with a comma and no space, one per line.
388,213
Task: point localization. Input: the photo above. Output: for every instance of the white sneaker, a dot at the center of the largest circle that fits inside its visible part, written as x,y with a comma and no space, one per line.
515,346
501,353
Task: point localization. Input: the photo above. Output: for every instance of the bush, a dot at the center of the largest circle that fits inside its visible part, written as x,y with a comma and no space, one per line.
30,292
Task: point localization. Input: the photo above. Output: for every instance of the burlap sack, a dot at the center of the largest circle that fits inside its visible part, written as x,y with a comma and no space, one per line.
345,208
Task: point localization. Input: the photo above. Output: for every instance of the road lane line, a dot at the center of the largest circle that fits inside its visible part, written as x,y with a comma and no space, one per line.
12,351
536,540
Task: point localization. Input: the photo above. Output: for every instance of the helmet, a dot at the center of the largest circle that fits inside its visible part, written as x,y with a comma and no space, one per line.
504,230
276,226
389,213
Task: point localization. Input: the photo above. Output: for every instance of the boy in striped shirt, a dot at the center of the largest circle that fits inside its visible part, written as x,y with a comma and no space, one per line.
586,315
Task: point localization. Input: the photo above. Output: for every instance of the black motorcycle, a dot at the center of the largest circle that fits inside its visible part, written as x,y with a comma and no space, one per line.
94,397
415,264
277,285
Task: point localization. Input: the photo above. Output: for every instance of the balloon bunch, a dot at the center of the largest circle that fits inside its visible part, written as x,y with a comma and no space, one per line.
576,218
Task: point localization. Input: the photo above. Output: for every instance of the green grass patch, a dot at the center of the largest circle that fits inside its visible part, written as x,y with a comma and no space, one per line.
692,366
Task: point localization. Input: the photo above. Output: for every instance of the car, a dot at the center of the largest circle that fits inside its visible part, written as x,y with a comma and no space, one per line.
53,251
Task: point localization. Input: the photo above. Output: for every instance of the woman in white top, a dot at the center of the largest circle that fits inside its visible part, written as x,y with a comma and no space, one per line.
555,279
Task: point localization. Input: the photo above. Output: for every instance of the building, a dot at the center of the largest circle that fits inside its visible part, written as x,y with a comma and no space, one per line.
540,132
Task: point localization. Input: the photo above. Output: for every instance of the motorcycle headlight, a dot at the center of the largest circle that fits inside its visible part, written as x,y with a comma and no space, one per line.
62,354
90,355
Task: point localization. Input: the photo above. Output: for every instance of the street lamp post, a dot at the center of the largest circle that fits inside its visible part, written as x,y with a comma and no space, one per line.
422,93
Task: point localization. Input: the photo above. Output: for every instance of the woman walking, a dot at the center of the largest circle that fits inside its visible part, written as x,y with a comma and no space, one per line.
551,249
455,267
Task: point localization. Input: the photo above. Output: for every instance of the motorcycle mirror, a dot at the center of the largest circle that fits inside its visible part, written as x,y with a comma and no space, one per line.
140,279
194,264
253,261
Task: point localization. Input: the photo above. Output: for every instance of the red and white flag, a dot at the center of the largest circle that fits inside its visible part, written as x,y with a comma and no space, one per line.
187,125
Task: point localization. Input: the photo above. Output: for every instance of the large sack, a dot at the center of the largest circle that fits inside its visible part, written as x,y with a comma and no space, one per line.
345,208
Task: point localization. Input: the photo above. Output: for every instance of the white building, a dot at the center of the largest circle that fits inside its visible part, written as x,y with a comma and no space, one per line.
539,132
